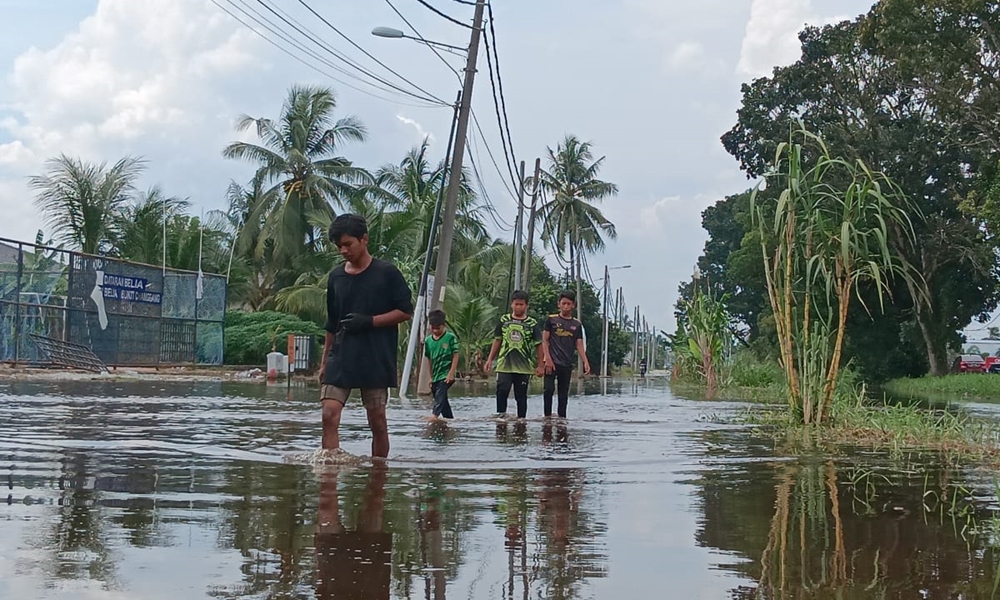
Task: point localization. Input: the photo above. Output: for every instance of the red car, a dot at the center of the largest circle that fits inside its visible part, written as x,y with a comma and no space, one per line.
969,363
992,364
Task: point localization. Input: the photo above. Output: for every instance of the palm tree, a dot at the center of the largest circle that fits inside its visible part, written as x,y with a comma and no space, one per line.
298,159
473,319
82,202
141,224
571,224
413,187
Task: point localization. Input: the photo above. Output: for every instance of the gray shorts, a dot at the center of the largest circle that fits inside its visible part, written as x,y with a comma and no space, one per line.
370,397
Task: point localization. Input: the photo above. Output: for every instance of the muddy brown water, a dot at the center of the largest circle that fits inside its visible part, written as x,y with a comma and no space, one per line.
182,490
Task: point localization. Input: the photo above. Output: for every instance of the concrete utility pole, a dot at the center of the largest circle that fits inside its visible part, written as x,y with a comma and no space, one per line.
519,230
604,340
417,321
635,343
531,225
455,178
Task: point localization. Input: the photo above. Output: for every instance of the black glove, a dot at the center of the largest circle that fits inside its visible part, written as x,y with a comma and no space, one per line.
355,322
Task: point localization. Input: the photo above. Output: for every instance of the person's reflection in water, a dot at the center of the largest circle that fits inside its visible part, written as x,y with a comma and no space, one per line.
558,503
518,436
430,527
561,433
353,565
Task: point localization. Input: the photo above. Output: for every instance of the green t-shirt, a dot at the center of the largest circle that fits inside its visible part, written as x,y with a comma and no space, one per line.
519,340
440,351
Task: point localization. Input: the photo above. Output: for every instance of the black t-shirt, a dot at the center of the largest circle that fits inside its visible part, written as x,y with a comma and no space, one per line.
364,359
563,334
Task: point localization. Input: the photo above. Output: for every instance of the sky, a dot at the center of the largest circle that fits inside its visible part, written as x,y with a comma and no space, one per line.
652,84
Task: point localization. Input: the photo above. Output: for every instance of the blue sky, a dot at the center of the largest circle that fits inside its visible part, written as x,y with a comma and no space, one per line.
652,83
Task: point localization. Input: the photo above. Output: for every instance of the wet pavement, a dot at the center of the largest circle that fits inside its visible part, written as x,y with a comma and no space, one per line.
182,490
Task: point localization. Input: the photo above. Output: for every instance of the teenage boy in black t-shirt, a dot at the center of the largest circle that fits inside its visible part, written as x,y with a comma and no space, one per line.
366,300
562,338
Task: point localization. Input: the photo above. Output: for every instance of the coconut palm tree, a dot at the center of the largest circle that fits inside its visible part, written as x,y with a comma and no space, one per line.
82,202
141,224
298,158
571,224
473,319
413,186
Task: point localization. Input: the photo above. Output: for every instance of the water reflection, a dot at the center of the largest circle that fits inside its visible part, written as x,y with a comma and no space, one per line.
353,564
112,493
822,529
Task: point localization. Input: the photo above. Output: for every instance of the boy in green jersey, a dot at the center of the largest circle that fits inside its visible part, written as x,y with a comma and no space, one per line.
517,347
441,351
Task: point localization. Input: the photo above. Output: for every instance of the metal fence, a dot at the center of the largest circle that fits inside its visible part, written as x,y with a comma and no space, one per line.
129,314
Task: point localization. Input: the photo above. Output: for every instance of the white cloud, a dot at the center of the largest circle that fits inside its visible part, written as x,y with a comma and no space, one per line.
691,57
772,34
134,78
416,125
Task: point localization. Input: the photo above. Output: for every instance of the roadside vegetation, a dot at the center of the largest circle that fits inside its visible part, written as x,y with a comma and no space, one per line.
849,267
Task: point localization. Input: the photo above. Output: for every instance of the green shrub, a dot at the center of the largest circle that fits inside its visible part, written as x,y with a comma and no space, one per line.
749,371
249,335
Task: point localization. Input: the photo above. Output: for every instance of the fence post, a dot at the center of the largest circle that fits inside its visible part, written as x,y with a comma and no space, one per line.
67,317
197,319
17,303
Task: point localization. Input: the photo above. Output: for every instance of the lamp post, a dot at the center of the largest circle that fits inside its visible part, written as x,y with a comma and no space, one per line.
604,341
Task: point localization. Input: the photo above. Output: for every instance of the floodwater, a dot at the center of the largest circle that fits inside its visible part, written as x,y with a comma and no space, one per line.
152,490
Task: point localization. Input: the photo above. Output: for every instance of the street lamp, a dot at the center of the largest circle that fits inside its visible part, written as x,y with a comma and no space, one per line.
392,33
604,341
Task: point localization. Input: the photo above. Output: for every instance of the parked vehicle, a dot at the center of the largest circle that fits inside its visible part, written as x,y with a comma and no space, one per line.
969,363
992,364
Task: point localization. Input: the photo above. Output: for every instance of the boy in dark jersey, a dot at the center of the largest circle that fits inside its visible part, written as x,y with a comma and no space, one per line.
366,300
518,351
441,352
562,338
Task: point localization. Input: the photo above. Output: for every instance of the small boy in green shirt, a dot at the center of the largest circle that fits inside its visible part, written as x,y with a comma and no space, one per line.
441,352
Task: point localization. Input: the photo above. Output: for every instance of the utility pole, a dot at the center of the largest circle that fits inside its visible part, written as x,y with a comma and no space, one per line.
635,343
421,307
604,340
531,225
652,358
455,176
519,229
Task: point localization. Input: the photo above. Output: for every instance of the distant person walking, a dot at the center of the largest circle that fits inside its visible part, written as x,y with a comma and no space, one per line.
562,338
441,352
517,348
366,300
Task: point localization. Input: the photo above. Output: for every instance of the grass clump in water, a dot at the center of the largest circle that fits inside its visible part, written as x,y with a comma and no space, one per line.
967,385
858,420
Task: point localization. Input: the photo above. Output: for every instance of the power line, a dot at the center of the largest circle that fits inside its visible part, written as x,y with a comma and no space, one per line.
491,208
496,58
509,157
366,53
443,15
493,159
311,36
424,40
307,51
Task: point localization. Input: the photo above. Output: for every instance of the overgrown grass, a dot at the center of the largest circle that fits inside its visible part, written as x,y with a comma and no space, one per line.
744,377
984,386
858,420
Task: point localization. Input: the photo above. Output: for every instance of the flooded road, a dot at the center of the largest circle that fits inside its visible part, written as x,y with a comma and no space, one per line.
140,490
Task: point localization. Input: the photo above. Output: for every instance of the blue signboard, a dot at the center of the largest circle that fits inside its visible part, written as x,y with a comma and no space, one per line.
129,289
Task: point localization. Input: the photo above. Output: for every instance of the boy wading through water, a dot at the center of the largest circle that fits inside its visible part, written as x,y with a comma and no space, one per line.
366,299
518,351
562,338
441,351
